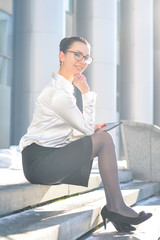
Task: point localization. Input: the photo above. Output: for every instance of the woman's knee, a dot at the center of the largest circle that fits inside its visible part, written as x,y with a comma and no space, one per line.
107,136
103,137
101,140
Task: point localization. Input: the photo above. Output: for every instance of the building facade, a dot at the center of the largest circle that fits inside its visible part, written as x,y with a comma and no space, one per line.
5,71
125,40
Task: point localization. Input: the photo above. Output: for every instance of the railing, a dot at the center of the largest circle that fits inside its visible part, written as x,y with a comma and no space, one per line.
141,144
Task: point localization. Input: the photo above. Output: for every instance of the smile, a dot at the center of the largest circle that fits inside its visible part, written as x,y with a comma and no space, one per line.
79,67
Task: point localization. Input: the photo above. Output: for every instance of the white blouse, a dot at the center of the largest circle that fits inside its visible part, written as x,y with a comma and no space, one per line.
57,119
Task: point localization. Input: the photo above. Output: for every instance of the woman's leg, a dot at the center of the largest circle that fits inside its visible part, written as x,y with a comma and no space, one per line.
103,147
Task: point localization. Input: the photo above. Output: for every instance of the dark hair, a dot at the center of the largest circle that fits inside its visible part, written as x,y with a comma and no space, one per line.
67,42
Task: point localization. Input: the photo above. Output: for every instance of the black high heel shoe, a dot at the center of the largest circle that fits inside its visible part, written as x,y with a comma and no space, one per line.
118,218
120,226
123,227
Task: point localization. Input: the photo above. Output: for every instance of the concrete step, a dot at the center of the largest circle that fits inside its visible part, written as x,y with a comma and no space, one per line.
69,218
17,193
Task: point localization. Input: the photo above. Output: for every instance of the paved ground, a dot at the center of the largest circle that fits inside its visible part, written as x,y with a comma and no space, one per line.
149,230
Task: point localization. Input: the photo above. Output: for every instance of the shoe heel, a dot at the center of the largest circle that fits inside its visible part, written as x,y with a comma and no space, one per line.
104,222
104,217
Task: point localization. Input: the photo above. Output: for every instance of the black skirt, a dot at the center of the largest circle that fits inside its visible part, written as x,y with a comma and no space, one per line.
70,164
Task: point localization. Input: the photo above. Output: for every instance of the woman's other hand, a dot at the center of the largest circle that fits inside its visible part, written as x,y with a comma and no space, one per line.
80,82
99,127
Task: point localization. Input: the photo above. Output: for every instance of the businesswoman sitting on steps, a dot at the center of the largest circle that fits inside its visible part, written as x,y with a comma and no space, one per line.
61,142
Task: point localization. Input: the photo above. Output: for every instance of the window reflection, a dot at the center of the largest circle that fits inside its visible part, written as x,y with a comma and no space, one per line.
5,71
5,48
70,6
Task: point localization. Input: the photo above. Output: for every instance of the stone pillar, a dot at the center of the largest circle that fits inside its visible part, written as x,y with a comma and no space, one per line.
156,62
38,28
96,21
136,60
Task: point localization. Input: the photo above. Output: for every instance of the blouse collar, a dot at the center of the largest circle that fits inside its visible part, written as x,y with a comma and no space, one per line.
63,82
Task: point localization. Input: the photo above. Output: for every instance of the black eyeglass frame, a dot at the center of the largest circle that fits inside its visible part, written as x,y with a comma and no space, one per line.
86,58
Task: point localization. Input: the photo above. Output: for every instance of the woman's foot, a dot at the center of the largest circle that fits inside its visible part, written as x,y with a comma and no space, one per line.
117,217
123,210
120,226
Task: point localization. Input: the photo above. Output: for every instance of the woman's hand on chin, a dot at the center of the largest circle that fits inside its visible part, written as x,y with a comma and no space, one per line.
80,82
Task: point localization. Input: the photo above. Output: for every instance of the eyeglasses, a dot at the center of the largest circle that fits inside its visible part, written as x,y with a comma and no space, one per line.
78,56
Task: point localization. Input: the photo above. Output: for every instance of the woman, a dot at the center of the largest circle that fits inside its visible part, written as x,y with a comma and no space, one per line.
61,141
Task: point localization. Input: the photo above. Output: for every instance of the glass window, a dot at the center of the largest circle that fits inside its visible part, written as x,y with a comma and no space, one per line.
5,48
5,71
69,30
70,6
5,33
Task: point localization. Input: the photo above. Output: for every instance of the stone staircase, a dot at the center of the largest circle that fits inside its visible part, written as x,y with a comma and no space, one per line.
60,212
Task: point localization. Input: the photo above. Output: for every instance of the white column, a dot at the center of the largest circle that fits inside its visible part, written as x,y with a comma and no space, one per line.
96,21
156,62
38,29
136,60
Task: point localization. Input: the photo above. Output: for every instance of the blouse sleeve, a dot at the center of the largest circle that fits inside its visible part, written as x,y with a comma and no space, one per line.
64,104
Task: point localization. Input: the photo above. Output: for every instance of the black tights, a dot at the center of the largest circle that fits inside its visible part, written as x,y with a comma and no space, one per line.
103,147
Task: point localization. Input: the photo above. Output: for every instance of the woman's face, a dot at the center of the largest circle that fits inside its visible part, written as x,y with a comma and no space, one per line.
71,59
